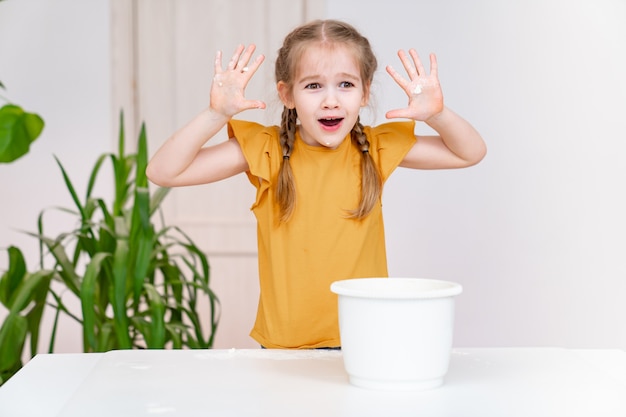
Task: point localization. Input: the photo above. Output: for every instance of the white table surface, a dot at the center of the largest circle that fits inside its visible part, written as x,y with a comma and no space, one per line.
481,382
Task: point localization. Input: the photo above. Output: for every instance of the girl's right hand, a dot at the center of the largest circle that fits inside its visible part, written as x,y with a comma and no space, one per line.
227,90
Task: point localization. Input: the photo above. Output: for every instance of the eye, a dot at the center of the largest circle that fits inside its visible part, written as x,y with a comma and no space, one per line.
312,86
346,84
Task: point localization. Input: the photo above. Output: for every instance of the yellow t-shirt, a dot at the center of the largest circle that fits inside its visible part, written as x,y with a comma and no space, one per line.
299,259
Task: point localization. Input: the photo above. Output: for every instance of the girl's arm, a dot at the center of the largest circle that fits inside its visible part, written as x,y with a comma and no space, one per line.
458,144
182,159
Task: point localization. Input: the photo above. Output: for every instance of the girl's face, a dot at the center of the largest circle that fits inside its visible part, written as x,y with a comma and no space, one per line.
327,93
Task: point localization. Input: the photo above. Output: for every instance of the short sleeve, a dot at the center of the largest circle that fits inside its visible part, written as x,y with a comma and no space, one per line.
392,141
260,147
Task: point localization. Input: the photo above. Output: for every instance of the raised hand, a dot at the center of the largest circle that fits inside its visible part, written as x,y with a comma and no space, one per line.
227,90
423,90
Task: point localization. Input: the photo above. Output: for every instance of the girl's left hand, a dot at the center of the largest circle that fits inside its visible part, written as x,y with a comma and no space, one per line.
424,90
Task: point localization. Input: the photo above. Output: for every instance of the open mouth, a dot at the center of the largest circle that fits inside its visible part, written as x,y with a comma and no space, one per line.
330,122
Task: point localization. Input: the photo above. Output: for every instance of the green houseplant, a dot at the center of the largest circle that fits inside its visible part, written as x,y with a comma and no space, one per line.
138,285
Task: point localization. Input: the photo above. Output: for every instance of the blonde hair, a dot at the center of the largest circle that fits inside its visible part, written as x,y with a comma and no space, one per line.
294,45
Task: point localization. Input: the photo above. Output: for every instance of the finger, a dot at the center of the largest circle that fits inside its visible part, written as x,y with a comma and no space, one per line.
232,64
217,68
256,63
408,65
218,62
398,114
253,104
399,79
254,66
418,62
434,67
244,59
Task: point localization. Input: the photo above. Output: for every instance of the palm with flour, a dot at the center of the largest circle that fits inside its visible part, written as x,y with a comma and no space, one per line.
228,88
423,89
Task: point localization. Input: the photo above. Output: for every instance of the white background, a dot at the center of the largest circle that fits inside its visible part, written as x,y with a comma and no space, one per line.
535,233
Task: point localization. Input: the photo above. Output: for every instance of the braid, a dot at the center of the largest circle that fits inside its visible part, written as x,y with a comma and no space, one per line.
371,182
285,188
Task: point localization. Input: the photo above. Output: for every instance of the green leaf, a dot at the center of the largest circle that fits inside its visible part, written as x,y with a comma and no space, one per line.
23,295
121,170
175,332
121,143
141,180
141,239
88,300
94,173
106,338
118,297
157,198
39,296
18,129
12,339
71,189
157,314
13,277
66,268
55,325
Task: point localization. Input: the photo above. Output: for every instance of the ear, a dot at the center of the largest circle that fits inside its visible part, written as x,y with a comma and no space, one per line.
366,94
284,92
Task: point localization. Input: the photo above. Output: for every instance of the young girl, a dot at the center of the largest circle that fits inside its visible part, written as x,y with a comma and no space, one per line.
319,175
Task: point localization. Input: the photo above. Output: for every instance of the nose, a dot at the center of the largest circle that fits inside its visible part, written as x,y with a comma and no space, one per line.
330,100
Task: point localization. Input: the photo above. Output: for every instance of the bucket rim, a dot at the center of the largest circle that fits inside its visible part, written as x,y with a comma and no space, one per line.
396,288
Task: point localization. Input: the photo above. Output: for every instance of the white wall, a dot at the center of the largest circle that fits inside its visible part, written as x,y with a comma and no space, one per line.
54,60
536,233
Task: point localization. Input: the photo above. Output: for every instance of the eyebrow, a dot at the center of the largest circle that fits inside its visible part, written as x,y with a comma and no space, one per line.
316,77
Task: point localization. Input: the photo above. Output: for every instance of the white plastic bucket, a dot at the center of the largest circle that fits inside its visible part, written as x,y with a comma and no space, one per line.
396,333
